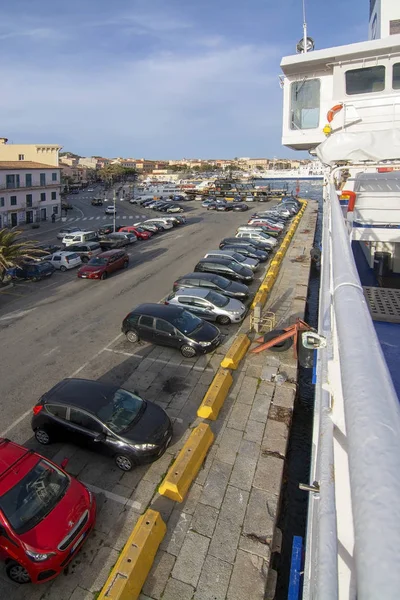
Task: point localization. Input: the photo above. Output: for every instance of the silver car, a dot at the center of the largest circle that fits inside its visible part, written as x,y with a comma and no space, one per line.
209,305
250,263
66,231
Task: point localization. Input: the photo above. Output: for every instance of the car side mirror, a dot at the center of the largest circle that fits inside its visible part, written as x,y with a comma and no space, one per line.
64,463
100,437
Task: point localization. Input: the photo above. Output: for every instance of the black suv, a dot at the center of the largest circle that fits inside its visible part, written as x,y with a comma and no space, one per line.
246,250
171,326
232,289
109,228
226,268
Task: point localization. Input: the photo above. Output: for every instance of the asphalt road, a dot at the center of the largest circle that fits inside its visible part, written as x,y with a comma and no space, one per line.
49,329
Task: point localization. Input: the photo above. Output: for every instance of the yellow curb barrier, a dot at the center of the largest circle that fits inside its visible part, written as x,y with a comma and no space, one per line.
236,352
268,283
187,464
215,396
134,563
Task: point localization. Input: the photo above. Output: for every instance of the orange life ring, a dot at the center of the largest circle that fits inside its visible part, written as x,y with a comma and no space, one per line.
332,112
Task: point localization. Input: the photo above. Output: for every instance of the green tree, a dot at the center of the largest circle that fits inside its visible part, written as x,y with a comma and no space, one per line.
14,250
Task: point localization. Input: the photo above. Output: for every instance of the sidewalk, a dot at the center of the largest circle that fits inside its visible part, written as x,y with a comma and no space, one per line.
220,539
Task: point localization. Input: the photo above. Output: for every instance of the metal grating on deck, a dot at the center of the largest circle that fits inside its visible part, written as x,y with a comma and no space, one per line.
384,303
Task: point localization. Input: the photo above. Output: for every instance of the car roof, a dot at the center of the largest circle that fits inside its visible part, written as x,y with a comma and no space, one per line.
158,310
219,261
198,292
84,393
110,253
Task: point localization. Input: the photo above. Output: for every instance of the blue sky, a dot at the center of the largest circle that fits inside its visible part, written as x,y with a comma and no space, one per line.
157,79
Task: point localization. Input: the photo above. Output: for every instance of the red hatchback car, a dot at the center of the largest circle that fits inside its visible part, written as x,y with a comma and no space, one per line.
140,233
45,515
102,265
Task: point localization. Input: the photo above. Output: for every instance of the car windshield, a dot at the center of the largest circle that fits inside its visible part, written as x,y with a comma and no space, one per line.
34,496
139,229
186,323
120,413
97,261
221,282
217,299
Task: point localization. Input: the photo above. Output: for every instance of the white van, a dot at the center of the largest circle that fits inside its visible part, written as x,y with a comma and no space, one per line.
79,237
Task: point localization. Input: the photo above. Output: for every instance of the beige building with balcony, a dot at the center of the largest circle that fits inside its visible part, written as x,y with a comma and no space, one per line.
41,153
29,192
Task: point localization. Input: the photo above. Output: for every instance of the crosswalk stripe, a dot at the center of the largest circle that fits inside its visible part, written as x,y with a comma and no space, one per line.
84,218
124,217
91,218
97,218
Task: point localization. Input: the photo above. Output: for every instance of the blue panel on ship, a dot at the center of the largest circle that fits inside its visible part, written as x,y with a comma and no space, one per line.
295,568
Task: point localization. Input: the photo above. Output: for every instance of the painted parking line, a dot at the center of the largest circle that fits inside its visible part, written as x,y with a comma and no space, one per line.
116,497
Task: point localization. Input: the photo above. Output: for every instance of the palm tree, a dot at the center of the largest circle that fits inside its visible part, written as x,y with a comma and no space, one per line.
13,251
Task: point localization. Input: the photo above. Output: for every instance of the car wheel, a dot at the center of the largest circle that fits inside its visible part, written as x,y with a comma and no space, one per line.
187,351
63,268
103,276
17,573
123,462
42,437
223,320
126,264
132,336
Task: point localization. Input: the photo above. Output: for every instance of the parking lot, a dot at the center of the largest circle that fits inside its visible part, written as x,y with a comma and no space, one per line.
67,327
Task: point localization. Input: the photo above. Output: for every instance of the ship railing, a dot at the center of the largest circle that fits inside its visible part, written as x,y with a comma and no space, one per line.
353,537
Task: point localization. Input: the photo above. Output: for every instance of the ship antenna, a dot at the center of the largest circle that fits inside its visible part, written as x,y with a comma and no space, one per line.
304,27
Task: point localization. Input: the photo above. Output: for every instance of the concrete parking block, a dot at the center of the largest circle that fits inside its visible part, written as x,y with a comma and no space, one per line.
252,585
254,431
204,519
216,484
177,589
229,445
159,574
178,526
268,476
190,560
214,580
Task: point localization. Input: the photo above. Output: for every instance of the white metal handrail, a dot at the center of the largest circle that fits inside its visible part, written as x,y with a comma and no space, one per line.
361,388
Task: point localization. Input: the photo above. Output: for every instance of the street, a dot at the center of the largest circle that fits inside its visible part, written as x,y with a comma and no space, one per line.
65,327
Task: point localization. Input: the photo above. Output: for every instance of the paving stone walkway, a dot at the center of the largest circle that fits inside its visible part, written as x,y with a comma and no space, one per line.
219,540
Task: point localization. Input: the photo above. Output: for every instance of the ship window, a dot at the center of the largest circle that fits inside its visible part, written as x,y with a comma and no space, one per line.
304,108
396,76
365,81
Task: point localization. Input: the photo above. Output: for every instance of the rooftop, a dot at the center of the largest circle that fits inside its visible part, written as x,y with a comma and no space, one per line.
6,165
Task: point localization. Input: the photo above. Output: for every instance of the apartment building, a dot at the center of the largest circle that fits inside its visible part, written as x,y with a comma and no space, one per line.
88,162
29,192
40,153
79,175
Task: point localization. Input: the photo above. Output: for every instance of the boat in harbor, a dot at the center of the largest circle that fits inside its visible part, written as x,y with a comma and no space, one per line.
313,171
342,104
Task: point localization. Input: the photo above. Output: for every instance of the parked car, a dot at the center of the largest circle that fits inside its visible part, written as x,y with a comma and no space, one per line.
140,233
110,210
247,251
171,326
104,418
258,236
250,263
211,281
181,219
65,260
86,251
248,229
208,305
240,207
79,237
206,202
108,228
152,227
46,250
161,223
226,268
245,242
67,230
45,515
226,206
265,222
90,189
127,238
101,266
212,206
34,271
173,209
111,241
97,202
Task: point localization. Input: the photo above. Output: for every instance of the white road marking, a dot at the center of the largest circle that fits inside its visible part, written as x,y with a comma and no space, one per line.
15,423
119,352
17,315
116,497
91,218
96,355
98,218
51,351
84,218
